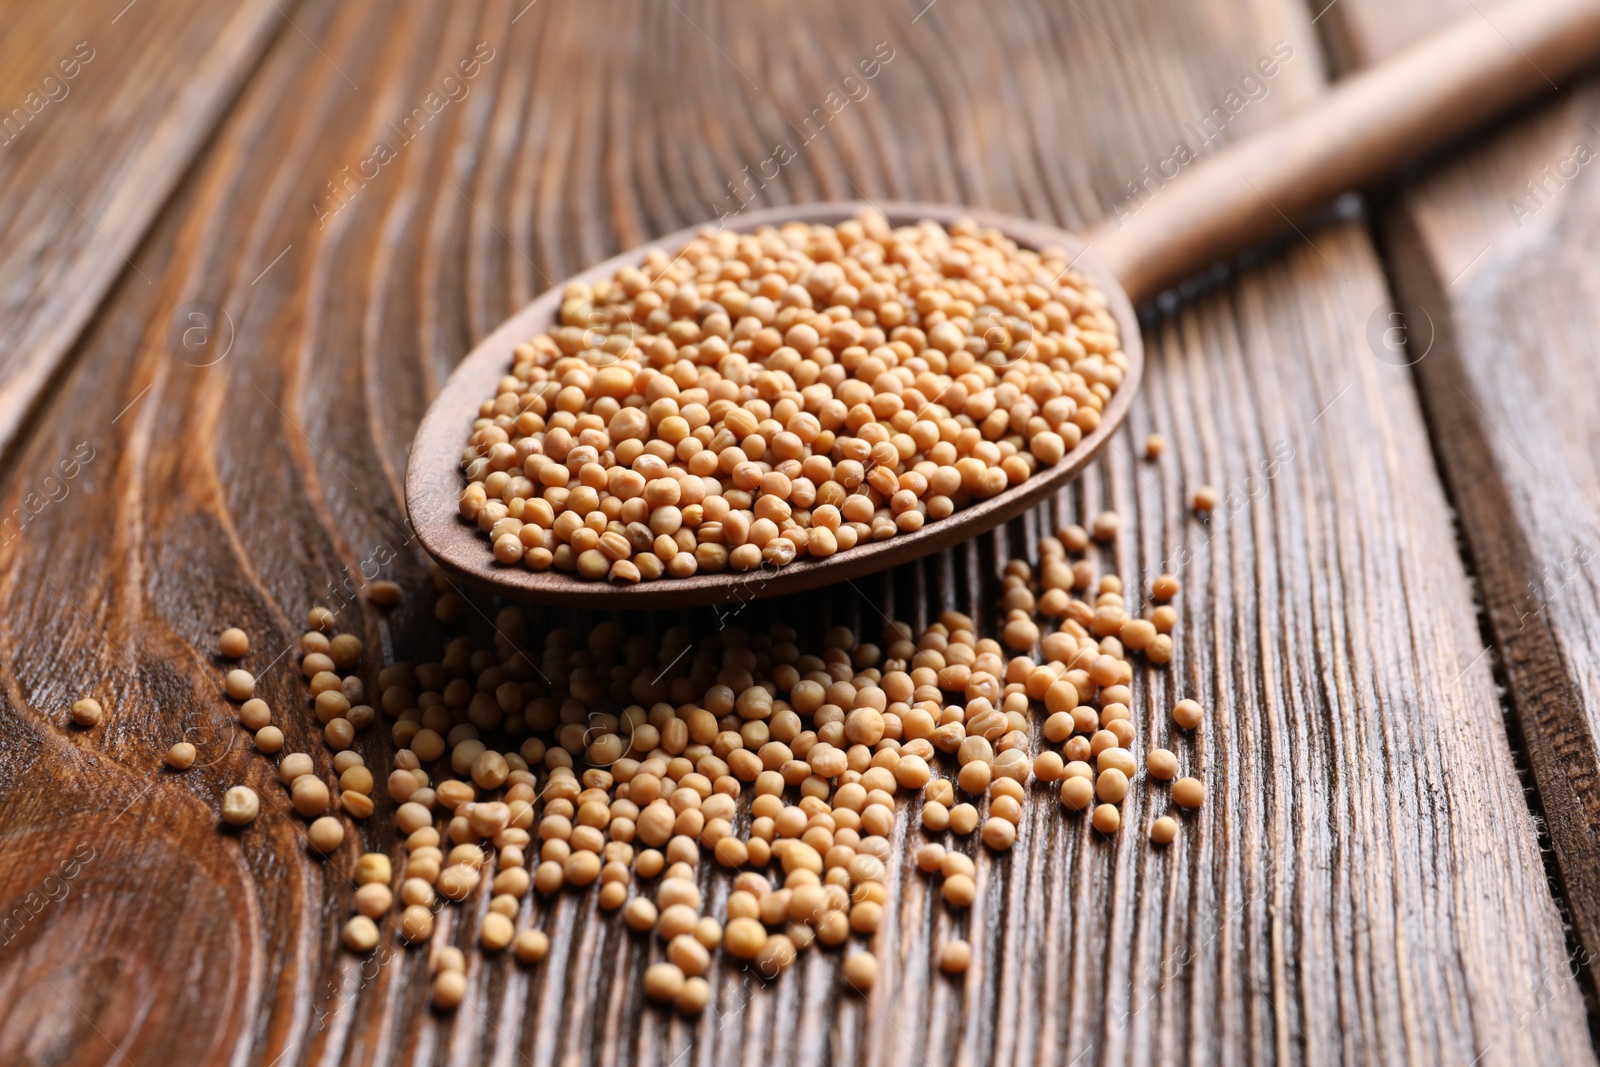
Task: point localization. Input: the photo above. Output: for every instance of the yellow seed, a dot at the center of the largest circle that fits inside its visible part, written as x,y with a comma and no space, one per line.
531,946
240,685
233,642
326,834
240,805
496,932
861,971
1163,830
449,990
955,957
87,712
1187,793
360,934
180,757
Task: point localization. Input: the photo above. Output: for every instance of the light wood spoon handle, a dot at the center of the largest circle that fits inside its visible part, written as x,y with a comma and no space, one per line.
1369,123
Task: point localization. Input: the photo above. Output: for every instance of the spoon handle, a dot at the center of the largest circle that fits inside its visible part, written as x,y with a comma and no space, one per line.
1367,124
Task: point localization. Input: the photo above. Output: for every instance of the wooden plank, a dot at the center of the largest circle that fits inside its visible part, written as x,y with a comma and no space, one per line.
1490,268
1365,884
103,103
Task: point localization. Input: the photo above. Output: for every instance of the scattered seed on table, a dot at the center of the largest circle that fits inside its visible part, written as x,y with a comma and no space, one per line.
326,834
663,981
1154,445
1205,500
955,957
861,971
233,642
1107,819
531,946
1162,764
959,890
385,594
269,739
1165,587
449,990
1164,830
496,932
1105,526
693,997
254,714
1187,714
87,712
1077,793
999,834
180,757
240,684
360,934
240,806
1188,793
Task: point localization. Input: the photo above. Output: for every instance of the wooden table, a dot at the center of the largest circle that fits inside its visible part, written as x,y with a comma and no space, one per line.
1399,861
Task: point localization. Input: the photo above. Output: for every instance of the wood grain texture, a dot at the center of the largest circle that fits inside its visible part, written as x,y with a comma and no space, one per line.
102,106
1494,274
1364,884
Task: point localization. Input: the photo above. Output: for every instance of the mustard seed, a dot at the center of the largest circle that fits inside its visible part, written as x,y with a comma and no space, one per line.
181,756
360,934
240,805
999,834
963,819
955,957
1204,500
1187,714
254,714
1154,445
87,712
269,739
1164,830
449,990
1107,819
693,997
233,643
1187,793
240,685
531,946
309,795
496,932
326,834
663,981
959,890
1105,526
703,477
1163,764
744,938
861,971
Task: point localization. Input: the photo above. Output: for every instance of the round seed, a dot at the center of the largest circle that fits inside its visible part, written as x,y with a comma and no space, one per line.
240,806
233,642
326,834
180,757
1187,793
360,934
1163,830
955,957
531,946
240,685
861,971
87,712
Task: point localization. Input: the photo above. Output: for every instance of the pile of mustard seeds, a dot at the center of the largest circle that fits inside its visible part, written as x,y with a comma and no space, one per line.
536,763
794,392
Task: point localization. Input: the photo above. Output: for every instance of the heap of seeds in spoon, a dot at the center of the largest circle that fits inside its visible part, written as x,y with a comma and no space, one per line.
760,398
530,762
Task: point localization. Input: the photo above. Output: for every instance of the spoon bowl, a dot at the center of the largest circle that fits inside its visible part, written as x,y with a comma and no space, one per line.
1363,128
434,478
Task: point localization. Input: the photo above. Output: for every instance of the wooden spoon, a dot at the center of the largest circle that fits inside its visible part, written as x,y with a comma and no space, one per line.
1364,127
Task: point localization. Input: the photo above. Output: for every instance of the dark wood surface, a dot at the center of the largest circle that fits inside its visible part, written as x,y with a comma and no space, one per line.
1493,279
1366,882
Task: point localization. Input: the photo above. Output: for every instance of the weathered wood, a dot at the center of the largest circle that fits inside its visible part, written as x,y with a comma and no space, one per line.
1491,265
1364,884
103,104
